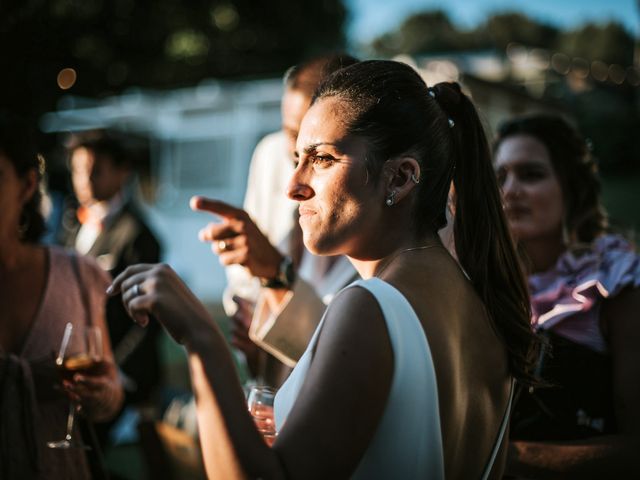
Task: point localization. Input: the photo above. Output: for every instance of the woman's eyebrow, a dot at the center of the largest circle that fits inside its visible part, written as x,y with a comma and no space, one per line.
530,164
314,146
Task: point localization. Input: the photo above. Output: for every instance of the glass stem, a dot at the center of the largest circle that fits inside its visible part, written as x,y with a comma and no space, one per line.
70,420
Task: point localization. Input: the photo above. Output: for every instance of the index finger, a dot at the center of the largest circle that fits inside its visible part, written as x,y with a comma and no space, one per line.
204,204
116,284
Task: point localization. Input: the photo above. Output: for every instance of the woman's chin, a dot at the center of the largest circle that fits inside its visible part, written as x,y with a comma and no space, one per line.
317,246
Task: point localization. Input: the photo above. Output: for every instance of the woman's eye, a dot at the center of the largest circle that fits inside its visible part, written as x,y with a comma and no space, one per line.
532,175
322,160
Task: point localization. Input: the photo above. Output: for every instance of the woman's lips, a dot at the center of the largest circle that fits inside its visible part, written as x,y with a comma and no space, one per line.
305,211
516,211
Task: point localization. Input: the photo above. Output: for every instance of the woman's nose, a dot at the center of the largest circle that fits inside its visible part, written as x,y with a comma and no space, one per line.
511,187
298,188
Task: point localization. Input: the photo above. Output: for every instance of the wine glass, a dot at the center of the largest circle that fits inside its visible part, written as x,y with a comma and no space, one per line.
260,404
80,352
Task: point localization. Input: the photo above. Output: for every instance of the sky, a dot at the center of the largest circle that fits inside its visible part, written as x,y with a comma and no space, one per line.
371,18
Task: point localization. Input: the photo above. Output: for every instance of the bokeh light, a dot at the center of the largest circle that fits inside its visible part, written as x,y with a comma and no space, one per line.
561,63
599,70
225,17
67,78
580,67
616,74
633,76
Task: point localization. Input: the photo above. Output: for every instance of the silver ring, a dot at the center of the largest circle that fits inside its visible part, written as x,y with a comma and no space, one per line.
223,246
136,290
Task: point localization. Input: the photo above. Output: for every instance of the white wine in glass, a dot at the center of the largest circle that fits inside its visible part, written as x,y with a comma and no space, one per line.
260,405
80,352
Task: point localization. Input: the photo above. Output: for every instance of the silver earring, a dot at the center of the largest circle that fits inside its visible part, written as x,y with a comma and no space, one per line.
415,179
391,199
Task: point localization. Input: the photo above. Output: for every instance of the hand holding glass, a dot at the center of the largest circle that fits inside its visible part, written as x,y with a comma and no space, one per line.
80,352
260,404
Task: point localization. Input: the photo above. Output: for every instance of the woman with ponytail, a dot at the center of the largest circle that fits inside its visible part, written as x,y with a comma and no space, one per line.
411,371
585,294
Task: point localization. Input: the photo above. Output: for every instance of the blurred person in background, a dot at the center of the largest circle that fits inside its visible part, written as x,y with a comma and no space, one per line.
43,288
277,291
106,224
585,300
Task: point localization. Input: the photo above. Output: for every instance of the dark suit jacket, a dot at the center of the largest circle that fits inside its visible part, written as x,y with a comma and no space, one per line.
126,240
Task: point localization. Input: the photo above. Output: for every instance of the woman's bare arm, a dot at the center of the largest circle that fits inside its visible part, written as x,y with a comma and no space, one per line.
337,410
611,456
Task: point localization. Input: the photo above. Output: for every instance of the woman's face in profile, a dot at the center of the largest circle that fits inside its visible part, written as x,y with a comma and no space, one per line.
338,205
531,192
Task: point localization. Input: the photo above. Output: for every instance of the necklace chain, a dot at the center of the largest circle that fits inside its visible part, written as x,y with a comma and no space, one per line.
384,266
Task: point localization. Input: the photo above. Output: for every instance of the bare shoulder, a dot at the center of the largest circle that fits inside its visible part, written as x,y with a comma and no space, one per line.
349,380
354,333
620,316
622,323
625,302
353,312
91,274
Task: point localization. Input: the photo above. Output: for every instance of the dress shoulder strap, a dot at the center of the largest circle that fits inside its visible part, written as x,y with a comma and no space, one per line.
83,290
501,432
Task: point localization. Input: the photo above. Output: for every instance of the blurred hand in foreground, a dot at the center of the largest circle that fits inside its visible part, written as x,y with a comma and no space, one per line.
237,239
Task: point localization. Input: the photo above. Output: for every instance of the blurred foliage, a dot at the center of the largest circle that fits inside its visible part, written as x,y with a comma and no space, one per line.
607,113
423,31
114,44
433,32
501,29
609,43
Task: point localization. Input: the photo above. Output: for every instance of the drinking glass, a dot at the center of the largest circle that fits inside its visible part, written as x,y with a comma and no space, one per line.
80,352
260,404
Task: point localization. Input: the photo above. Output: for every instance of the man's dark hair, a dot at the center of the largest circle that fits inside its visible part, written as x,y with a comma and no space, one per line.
101,144
307,75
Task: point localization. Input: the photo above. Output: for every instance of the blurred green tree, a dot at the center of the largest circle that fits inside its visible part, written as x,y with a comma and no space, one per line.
423,32
608,43
111,45
605,106
504,28
433,32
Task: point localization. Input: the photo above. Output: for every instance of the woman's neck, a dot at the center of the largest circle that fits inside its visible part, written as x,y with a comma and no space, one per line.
543,254
15,254
375,264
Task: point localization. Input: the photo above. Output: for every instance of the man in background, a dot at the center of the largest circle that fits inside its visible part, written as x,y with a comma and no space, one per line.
277,291
109,227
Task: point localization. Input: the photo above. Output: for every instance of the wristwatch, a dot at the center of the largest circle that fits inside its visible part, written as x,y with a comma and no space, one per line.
285,277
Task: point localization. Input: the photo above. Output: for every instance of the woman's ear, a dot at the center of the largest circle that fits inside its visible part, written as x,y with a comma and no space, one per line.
29,185
403,175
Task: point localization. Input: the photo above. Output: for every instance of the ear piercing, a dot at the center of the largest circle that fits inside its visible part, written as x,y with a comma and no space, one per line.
391,199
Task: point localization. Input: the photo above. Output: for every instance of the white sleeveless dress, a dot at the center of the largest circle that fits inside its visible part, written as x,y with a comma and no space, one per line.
408,441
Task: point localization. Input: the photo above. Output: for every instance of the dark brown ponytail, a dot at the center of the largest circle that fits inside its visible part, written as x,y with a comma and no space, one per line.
483,242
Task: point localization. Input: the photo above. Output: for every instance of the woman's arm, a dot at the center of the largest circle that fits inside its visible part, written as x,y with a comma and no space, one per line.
611,456
337,410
